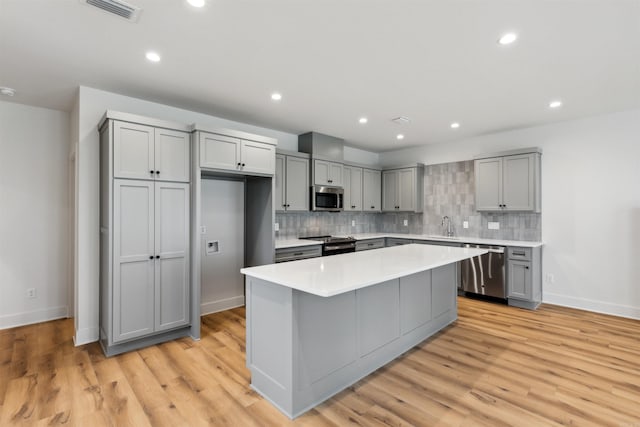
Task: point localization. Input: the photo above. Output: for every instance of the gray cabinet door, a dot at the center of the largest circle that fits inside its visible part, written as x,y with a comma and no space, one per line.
172,255
389,191
279,198
133,256
172,155
488,184
406,189
519,282
297,184
518,182
257,157
133,151
371,190
352,188
415,301
378,311
327,173
219,152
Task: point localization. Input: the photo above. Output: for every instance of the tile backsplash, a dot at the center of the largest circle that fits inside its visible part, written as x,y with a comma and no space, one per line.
449,189
300,224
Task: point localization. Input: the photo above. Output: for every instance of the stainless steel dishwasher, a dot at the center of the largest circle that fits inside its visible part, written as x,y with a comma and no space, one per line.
485,274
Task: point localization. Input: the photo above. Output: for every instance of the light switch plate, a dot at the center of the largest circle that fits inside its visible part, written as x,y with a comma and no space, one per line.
493,225
277,226
353,222
465,224
406,222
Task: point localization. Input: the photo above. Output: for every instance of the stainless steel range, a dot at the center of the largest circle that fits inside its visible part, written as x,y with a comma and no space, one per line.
335,245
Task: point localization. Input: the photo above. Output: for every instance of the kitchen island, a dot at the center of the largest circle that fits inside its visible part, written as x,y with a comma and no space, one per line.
318,325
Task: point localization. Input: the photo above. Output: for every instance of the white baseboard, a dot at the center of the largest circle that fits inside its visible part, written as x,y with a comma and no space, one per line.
31,317
86,336
221,305
592,305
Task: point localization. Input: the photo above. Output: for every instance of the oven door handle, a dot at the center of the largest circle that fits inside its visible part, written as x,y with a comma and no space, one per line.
338,247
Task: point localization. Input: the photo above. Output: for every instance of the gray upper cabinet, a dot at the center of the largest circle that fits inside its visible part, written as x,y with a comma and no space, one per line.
327,173
145,152
371,190
352,188
508,183
402,189
291,183
228,153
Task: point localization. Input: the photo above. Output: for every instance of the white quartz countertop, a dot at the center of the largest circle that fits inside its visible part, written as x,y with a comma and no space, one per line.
333,275
472,240
296,243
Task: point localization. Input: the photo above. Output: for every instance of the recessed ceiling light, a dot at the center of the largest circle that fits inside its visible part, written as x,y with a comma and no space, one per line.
400,136
276,96
555,104
455,125
507,38
7,91
153,57
363,120
196,3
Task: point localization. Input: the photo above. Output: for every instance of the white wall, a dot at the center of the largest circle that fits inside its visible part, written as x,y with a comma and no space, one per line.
590,204
357,155
34,210
92,105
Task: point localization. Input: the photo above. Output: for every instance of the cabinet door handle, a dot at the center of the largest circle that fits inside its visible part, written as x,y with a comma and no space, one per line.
243,165
518,253
150,256
526,266
157,172
329,181
151,172
298,254
157,256
239,164
373,207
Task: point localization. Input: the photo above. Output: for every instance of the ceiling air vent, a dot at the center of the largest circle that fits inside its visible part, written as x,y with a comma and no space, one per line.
117,7
401,120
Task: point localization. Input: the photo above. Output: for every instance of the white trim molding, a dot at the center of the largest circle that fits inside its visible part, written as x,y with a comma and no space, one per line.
221,305
592,305
31,317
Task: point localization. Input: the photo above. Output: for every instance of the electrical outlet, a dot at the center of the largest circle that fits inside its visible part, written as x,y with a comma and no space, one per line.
465,224
406,222
550,278
353,222
203,229
277,226
493,225
31,293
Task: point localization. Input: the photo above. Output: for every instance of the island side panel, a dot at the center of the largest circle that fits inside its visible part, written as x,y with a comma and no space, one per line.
419,295
269,348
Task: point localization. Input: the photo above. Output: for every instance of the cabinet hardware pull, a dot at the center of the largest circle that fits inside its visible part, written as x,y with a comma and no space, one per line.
526,266
243,165
239,163
518,253
151,172
157,172
298,254
373,207
157,256
150,256
329,180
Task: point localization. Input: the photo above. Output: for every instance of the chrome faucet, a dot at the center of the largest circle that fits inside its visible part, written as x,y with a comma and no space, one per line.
447,220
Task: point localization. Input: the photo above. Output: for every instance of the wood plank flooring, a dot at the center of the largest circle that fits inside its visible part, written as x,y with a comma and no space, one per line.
496,366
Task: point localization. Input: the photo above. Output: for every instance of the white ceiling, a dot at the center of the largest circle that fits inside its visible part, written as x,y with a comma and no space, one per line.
334,61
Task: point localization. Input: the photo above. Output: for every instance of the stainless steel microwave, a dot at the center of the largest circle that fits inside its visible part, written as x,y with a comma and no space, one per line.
326,198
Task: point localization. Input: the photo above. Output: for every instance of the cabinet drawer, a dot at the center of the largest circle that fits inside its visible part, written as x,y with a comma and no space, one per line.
523,254
364,245
293,254
392,241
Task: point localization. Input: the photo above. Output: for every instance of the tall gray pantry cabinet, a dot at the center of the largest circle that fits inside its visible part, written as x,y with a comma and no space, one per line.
145,288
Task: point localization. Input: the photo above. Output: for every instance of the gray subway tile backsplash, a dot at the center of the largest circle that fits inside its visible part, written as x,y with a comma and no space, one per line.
449,189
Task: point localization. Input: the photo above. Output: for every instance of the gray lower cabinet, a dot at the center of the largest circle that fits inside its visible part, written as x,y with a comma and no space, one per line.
365,245
145,286
298,252
524,277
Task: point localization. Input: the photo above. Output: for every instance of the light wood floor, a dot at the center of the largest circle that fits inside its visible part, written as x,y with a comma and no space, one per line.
496,366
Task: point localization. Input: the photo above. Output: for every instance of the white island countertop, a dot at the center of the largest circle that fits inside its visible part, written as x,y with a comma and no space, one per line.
337,274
